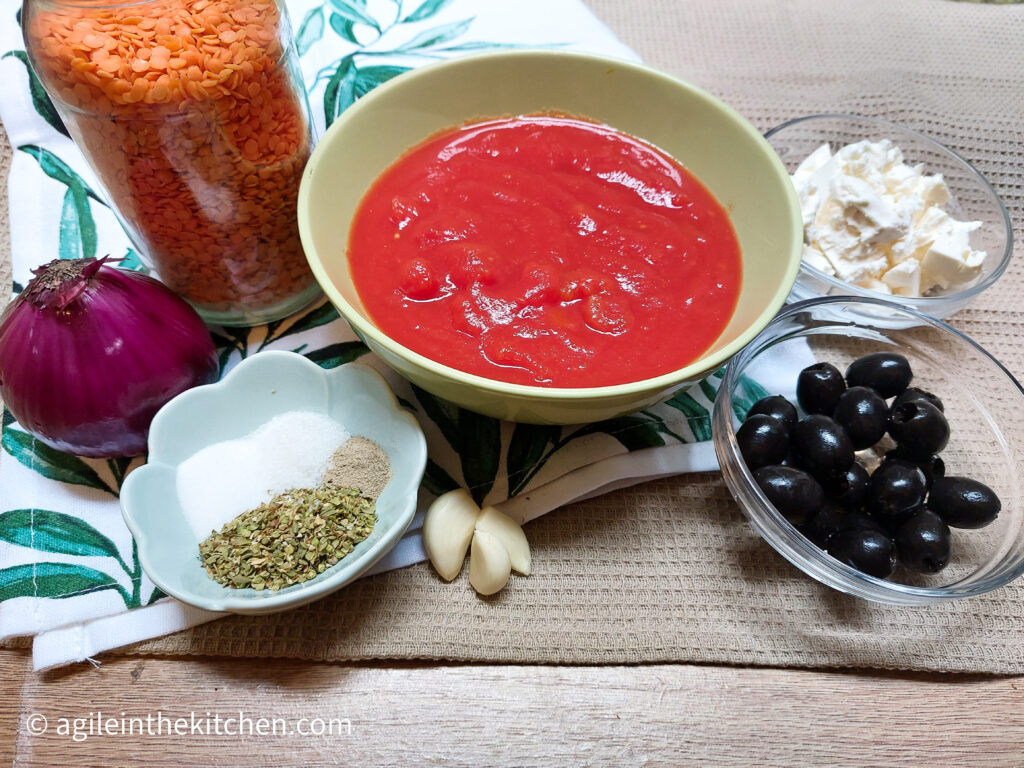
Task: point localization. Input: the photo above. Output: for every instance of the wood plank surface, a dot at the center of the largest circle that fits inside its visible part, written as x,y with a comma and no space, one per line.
409,715
454,715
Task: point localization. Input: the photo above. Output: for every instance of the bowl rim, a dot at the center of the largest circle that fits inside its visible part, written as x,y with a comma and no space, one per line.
913,302
782,535
236,601
369,332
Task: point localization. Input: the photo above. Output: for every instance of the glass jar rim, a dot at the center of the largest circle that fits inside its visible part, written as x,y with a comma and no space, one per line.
95,4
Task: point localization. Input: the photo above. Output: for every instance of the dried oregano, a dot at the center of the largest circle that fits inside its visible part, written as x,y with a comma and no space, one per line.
290,539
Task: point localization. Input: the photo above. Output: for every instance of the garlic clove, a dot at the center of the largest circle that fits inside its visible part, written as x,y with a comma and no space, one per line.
510,534
489,563
447,530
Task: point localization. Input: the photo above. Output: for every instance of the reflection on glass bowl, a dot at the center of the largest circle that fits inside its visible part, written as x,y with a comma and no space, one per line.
985,408
973,199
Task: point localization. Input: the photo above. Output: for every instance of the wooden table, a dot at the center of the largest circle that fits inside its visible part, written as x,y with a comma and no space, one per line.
475,715
438,714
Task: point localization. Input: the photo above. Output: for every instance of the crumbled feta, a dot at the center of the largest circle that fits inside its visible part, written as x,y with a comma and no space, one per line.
874,221
814,257
904,279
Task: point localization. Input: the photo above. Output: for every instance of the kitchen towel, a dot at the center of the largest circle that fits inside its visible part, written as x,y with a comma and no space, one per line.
69,571
670,571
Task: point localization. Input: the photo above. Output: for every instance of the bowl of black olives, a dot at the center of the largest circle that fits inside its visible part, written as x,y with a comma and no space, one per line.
890,465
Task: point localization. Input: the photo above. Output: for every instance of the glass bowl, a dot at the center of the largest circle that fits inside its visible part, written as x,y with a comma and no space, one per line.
973,199
983,403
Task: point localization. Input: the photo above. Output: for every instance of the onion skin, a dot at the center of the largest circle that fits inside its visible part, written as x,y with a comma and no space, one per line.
89,353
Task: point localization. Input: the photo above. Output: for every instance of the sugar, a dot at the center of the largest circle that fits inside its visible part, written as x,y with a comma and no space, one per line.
223,480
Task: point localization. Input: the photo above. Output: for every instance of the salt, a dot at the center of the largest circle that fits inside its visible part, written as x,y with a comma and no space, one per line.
223,480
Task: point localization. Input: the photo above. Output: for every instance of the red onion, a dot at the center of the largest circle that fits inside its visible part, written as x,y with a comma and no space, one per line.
89,353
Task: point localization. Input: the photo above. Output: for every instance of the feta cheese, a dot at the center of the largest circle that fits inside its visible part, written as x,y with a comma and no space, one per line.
878,286
868,212
950,261
806,180
904,279
876,222
814,257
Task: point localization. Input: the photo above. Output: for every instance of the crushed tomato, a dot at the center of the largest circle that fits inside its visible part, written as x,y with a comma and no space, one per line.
545,250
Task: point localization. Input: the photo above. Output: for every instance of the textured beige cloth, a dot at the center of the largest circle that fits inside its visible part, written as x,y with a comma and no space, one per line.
671,571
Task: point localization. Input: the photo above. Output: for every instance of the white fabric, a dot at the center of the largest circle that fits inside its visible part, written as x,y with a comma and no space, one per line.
72,627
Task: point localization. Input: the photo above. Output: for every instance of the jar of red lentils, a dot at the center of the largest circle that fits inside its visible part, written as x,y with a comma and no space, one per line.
193,115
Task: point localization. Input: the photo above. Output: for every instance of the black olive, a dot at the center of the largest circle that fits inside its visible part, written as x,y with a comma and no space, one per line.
828,520
792,459
885,372
818,388
823,446
863,414
897,519
924,542
832,518
919,428
871,552
858,520
794,493
932,466
895,487
850,489
777,407
915,393
963,502
762,440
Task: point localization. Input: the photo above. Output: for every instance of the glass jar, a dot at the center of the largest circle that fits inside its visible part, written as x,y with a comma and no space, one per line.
193,115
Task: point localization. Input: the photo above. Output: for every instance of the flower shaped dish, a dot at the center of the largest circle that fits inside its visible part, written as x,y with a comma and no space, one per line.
258,389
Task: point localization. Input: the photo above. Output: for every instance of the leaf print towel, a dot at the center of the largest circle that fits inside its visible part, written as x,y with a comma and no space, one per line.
69,570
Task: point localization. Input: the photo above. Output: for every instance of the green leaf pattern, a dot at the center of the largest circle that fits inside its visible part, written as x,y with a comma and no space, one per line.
58,533
480,451
54,532
475,440
635,432
427,9
51,463
334,355
58,170
130,260
60,580
340,90
77,230
436,480
470,445
77,236
372,39
310,31
40,101
436,35
747,393
354,12
345,27
527,450
697,416
488,456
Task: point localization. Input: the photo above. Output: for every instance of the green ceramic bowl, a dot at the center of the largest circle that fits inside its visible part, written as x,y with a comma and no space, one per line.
256,390
711,139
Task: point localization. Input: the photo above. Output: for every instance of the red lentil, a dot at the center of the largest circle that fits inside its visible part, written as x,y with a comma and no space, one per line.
196,125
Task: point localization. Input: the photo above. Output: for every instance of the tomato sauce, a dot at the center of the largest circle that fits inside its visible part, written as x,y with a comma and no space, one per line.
545,250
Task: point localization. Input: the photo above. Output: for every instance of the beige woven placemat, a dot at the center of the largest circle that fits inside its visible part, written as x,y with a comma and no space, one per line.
671,571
